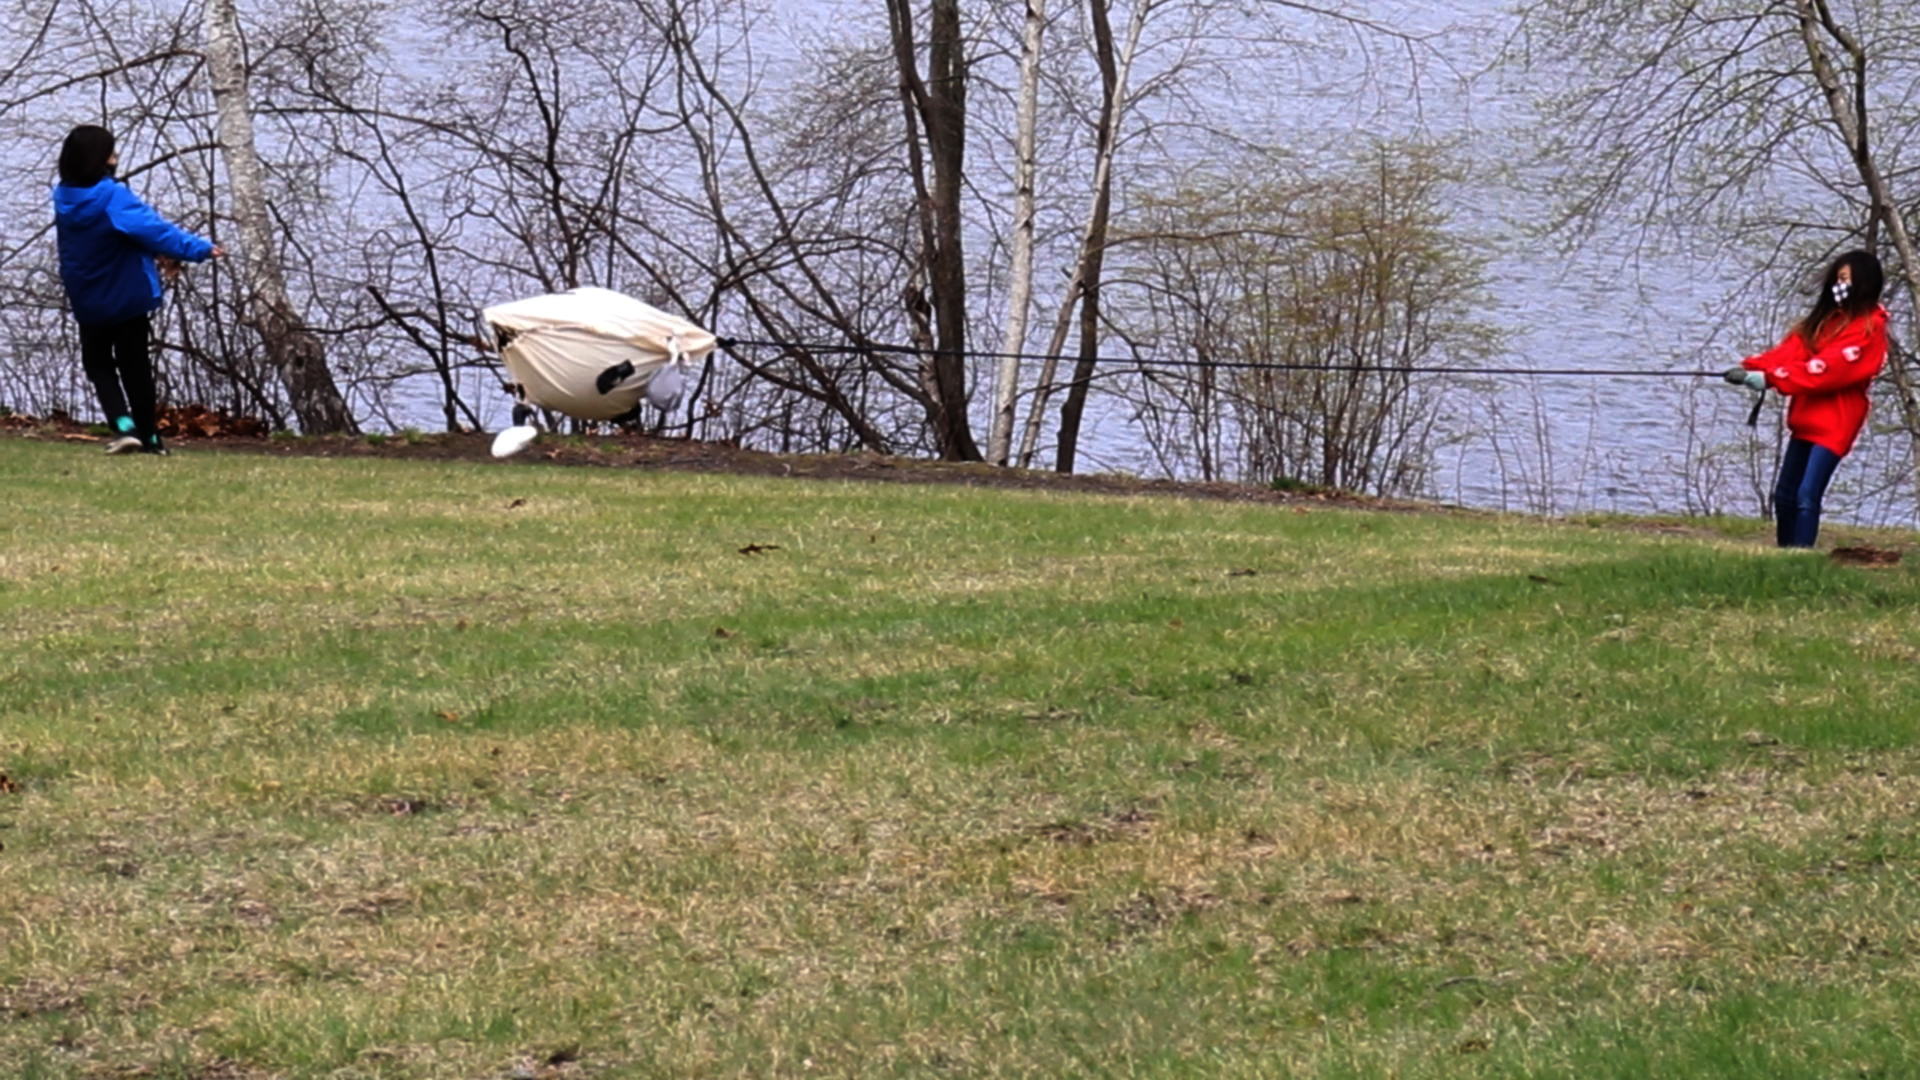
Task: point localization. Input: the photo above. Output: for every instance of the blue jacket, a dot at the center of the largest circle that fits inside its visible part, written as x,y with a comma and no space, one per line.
108,239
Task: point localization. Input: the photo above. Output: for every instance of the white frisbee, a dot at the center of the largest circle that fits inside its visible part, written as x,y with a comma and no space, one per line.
514,439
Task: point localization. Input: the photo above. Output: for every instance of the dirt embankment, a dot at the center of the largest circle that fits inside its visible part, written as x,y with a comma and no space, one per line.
194,429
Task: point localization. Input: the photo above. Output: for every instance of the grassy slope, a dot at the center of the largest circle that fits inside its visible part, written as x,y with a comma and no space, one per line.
383,769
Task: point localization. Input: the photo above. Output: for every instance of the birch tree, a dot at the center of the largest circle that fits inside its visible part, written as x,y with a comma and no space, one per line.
295,351
1020,260
1083,286
1185,51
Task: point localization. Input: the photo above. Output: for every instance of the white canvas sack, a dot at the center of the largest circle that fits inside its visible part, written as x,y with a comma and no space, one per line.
559,346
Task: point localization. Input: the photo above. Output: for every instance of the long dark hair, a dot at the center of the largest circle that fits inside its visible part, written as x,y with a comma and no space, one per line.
83,157
1863,295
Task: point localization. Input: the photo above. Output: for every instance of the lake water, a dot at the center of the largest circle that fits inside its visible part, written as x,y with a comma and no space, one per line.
1564,444
1555,444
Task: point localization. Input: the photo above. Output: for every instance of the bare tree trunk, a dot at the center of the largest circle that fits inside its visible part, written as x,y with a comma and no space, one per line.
1093,237
940,103
293,349
1006,386
1067,446
1848,106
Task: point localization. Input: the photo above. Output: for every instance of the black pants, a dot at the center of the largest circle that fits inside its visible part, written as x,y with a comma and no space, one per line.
115,358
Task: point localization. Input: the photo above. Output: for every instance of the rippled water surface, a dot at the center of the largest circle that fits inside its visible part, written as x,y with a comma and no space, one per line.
1558,444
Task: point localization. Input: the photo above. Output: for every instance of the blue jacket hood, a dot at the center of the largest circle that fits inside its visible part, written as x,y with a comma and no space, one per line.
81,206
108,239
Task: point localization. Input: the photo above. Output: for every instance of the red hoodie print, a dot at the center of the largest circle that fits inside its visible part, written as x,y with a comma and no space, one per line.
1826,385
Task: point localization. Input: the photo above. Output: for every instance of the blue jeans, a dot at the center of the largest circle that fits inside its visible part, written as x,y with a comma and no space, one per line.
1805,470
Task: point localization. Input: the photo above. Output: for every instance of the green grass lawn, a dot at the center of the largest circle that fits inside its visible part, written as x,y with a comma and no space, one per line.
356,768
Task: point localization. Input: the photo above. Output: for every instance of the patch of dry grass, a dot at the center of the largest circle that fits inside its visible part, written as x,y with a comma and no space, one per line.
359,769
655,902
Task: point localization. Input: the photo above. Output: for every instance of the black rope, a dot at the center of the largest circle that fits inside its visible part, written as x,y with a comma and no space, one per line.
1249,365
730,343
1233,365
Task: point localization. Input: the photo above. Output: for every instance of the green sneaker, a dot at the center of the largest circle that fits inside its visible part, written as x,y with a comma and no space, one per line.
155,446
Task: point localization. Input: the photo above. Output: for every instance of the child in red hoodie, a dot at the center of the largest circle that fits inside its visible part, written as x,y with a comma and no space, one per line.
1823,366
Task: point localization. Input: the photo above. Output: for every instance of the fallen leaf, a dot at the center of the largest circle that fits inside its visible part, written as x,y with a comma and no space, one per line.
449,716
7,785
722,632
755,549
200,422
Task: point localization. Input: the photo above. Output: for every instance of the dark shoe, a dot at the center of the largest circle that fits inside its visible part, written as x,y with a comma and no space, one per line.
154,446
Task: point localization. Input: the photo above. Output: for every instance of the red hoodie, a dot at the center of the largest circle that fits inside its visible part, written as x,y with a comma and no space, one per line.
1827,385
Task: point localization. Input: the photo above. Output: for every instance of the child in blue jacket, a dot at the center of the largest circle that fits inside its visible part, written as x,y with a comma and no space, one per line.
108,242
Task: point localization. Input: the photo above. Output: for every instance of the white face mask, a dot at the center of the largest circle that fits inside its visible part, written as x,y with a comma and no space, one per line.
1840,290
